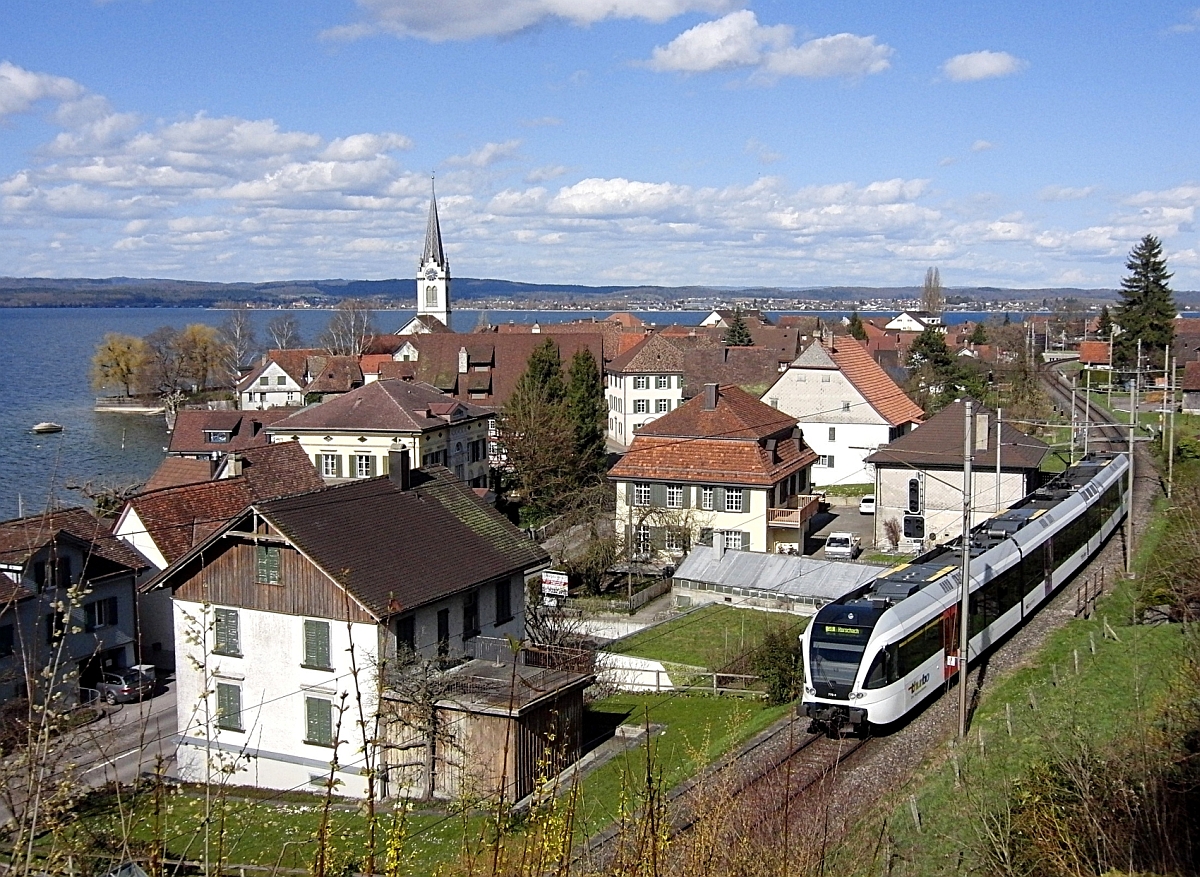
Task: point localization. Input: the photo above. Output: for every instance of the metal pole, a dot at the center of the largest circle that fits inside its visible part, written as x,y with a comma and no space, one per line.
1132,433
1171,420
965,590
1112,336
999,420
1074,421
1087,408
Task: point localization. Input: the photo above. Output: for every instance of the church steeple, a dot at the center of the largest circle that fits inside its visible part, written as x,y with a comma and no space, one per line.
433,273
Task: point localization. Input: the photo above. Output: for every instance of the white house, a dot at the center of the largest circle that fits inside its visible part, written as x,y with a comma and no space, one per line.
351,436
641,385
723,466
270,386
847,406
297,607
914,321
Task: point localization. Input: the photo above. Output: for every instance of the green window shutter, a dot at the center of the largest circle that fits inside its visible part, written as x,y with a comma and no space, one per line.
718,499
385,466
267,562
372,466
658,495
317,463
687,496
226,631
316,643
229,706
658,538
318,720
338,463
745,540
628,493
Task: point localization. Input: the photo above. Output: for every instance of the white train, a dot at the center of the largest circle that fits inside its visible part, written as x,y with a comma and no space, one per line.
878,653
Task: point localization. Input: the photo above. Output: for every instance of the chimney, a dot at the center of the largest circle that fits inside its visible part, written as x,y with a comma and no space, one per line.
399,468
718,545
233,466
712,392
214,463
981,432
462,360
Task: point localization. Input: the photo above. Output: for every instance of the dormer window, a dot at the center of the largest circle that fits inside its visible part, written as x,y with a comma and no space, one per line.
217,436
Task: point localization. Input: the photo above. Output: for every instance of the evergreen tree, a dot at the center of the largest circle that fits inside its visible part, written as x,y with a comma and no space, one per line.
587,413
1147,307
738,333
929,348
978,335
855,326
1104,324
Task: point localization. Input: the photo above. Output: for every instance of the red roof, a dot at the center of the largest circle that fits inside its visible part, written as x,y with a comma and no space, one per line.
853,360
1191,377
243,429
1094,352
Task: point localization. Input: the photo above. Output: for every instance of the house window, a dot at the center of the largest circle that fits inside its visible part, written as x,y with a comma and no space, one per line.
364,466
470,614
264,381
845,406
229,706
641,382
318,721
641,494
56,625
733,500
825,460
216,436
225,633
266,561
662,382
825,379
774,401
503,602
7,640
674,496
706,499
316,645
736,539
280,381
641,406
833,433
406,633
331,465
641,539
675,539
662,405
100,613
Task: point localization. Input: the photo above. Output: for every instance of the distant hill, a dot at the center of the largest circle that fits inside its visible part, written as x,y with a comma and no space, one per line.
151,292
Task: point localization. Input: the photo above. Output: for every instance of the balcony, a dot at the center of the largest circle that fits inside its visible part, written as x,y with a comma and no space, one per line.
805,507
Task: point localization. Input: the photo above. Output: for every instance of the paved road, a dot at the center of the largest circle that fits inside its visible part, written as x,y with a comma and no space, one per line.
840,519
128,741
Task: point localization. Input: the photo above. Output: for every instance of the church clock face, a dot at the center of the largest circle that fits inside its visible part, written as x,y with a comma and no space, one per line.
431,274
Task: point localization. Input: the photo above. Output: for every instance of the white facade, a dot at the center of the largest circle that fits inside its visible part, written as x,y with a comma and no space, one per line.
912,322
271,388
268,743
839,424
637,399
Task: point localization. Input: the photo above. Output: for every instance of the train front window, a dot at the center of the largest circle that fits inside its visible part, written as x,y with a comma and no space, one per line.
835,662
839,637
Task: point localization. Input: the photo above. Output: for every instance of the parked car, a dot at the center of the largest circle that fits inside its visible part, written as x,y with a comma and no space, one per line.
126,686
842,546
866,505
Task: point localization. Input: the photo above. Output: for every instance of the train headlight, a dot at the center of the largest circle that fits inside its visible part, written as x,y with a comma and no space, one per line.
808,689
855,695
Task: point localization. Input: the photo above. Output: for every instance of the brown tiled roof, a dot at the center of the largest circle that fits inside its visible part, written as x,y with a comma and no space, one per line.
853,360
177,471
246,428
437,360
625,319
938,443
178,517
1093,352
737,415
21,538
655,354
333,374
1191,377
717,461
383,405
370,362
394,549
807,325
754,369
429,321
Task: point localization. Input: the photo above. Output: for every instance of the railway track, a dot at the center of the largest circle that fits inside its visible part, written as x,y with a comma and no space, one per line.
1103,428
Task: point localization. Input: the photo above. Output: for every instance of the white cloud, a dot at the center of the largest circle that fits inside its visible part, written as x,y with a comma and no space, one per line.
1065,193
738,41
546,172
470,19
982,146
762,152
360,146
974,66
1189,25
20,89
486,155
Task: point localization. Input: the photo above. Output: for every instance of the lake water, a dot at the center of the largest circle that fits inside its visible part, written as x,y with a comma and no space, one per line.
45,366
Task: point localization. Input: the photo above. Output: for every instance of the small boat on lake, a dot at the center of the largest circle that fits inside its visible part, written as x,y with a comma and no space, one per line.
46,427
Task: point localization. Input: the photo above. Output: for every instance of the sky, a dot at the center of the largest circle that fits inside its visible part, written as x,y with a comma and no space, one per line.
666,142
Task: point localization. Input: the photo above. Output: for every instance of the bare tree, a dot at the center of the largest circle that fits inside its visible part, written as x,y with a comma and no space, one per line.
933,297
163,367
284,331
413,724
350,328
237,334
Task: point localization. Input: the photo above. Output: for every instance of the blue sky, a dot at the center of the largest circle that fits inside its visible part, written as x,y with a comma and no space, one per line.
600,141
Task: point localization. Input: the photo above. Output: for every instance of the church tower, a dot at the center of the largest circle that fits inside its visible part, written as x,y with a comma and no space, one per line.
433,272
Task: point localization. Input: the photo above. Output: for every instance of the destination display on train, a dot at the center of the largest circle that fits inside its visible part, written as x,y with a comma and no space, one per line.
843,632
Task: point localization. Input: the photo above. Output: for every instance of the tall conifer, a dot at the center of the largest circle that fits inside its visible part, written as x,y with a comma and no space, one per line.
1147,307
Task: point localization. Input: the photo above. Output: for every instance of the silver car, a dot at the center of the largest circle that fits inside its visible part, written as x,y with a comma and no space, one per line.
125,686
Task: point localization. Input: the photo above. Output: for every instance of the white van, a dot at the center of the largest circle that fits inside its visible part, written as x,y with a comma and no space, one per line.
866,505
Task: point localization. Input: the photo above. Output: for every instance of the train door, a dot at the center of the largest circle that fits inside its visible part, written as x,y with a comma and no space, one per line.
1048,566
950,641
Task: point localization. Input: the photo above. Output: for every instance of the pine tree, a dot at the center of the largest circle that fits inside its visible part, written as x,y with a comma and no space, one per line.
1104,324
855,326
738,334
587,412
1147,307
978,335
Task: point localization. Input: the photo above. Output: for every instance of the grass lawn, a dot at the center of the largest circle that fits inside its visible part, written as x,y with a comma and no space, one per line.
847,489
699,729
1082,691
711,636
